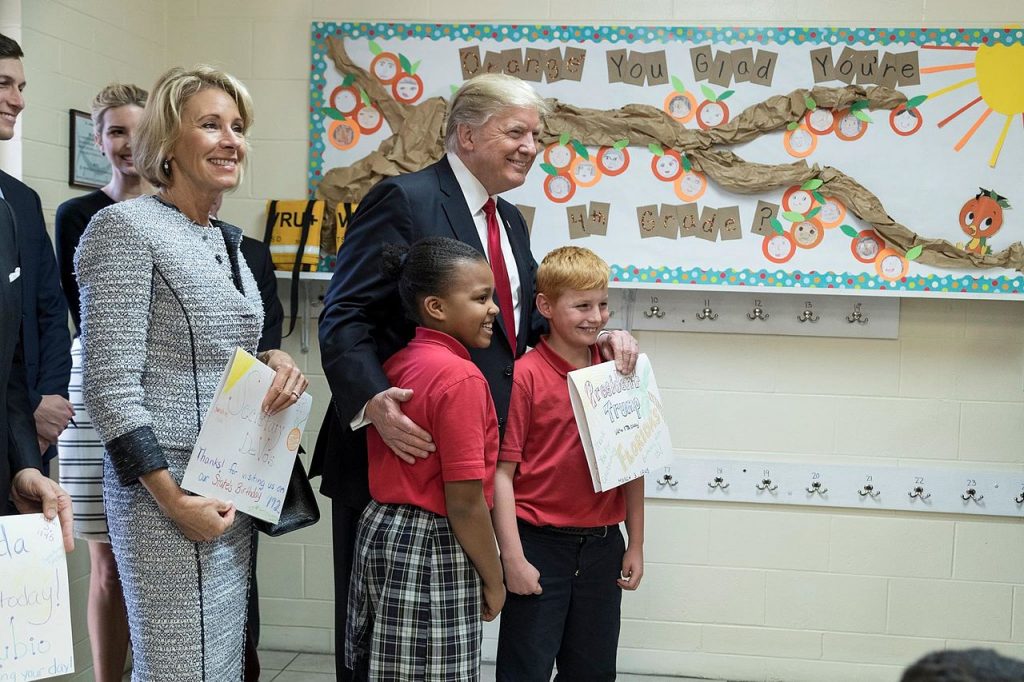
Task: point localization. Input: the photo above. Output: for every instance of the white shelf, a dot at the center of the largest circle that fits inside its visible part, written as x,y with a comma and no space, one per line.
307,276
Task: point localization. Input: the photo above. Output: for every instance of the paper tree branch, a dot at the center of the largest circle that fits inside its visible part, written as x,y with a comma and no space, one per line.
417,141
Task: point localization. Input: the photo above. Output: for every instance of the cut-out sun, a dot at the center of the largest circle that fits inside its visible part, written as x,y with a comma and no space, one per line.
998,70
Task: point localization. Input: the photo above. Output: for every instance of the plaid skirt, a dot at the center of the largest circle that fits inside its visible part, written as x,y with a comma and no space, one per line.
414,600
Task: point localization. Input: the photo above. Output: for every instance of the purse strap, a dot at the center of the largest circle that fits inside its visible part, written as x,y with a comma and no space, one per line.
293,298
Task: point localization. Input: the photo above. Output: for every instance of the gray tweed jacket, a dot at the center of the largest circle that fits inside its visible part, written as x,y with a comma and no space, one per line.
164,304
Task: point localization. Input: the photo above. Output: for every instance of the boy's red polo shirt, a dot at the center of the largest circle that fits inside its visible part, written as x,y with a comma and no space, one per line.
452,402
552,484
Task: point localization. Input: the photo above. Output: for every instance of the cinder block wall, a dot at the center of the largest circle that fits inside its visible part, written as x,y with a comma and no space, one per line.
732,591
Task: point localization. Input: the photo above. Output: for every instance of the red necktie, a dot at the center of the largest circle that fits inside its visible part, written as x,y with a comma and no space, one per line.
501,283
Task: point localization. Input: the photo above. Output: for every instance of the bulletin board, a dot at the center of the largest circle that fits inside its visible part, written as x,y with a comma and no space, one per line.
872,160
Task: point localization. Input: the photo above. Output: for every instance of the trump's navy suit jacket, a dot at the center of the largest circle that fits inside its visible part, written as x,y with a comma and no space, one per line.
362,323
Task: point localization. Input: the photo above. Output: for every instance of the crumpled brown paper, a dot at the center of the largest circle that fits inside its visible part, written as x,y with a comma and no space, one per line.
417,141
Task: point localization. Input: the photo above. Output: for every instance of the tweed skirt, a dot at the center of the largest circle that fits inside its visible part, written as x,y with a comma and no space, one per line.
186,600
414,600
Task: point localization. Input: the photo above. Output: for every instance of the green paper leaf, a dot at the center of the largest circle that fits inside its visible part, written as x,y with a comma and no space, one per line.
348,80
580,149
656,149
415,67
913,253
792,125
810,103
818,197
687,166
793,216
563,139
404,61
677,84
862,116
709,94
726,95
549,169
363,96
812,184
621,143
375,48
849,231
455,88
813,212
915,102
859,104
776,225
331,112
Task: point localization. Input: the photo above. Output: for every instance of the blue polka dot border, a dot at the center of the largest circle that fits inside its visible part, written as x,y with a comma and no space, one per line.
817,280
775,35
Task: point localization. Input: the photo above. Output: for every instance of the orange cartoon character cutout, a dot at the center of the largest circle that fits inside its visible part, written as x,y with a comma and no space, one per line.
981,217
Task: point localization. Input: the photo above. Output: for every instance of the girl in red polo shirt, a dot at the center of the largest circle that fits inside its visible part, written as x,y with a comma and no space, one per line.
425,542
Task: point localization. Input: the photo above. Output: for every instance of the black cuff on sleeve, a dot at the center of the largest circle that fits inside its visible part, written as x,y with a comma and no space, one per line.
134,454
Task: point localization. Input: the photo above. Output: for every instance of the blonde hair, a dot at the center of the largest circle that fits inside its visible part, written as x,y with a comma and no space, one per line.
571,267
160,126
485,95
113,96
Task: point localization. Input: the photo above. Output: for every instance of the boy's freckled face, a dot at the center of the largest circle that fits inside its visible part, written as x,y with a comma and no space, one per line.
577,317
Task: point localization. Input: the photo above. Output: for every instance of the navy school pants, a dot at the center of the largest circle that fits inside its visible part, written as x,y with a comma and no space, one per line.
575,621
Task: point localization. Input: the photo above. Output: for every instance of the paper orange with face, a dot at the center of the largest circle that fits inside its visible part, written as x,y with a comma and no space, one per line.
980,218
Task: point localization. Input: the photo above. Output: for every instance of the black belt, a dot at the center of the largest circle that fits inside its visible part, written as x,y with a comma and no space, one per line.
579,531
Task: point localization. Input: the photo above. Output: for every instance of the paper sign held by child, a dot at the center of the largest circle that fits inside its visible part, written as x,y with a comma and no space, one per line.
35,606
242,455
621,421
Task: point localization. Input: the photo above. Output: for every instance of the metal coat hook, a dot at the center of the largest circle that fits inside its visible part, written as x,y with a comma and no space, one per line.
817,487
918,491
1020,498
758,312
654,311
707,313
972,494
807,315
766,484
666,480
718,482
868,490
856,316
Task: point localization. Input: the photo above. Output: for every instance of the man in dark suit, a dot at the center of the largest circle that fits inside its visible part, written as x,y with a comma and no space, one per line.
21,479
45,336
491,143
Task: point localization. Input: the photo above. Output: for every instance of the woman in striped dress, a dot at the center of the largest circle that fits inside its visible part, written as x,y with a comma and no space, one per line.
116,111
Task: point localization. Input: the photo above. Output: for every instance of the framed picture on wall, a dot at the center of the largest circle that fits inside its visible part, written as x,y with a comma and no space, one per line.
87,167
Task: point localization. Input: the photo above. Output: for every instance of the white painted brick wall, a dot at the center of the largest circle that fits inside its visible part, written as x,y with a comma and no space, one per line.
731,590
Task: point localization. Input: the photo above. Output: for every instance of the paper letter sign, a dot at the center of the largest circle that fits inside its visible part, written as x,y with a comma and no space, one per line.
35,607
621,422
242,455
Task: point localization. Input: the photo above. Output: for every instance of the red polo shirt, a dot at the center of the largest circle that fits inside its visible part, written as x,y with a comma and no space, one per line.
552,484
452,402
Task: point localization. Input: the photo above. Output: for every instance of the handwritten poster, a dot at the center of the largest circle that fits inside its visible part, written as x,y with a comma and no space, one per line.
242,455
35,608
621,421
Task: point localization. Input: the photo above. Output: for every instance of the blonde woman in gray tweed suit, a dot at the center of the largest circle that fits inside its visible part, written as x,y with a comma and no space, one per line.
166,297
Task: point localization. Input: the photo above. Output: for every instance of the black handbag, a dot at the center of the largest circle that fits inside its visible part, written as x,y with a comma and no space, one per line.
299,509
